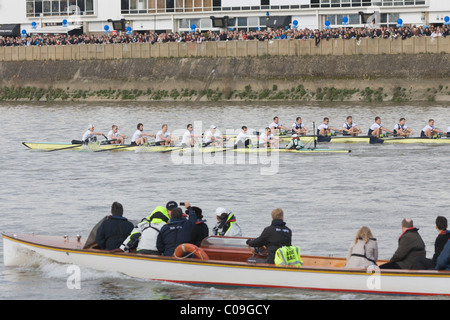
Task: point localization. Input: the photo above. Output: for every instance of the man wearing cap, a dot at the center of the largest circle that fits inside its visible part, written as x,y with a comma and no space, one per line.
213,137
295,143
226,224
177,231
90,136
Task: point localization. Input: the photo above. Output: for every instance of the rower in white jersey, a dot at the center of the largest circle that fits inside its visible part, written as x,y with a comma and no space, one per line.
267,139
115,137
299,128
243,139
430,130
350,128
90,135
401,129
139,136
164,137
324,129
376,129
213,137
189,137
276,127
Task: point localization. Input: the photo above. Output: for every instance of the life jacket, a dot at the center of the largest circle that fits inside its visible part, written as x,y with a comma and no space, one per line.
288,256
145,233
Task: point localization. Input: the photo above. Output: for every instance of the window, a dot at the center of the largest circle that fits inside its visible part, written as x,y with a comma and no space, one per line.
30,9
242,21
170,5
217,5
354,19
36,8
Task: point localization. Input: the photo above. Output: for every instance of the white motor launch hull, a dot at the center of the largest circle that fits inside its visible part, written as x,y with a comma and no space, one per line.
229,273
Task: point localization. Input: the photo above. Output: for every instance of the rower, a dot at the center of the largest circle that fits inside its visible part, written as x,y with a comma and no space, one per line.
324,129
276,127
140,137
267,139
431,131
377,129
295,143
189,138
213,137
90,135
242,139
298,127
163,137
115,137
350,128
401,129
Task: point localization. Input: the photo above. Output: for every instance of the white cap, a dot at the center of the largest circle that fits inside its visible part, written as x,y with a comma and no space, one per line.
213,127
294,136
220,210
90,126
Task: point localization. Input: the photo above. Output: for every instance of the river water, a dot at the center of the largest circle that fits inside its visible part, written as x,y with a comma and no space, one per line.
326,197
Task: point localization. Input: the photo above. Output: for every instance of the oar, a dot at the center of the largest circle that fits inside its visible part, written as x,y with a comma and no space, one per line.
113,149
65,148
175,149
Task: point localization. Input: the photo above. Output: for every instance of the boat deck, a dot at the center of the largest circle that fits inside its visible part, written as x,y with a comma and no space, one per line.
229,250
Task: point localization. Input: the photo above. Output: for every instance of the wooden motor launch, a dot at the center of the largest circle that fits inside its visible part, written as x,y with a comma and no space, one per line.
231,257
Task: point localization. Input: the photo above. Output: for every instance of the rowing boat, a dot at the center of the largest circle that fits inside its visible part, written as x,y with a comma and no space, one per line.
97,147
371,140
309,139
91,147
230,257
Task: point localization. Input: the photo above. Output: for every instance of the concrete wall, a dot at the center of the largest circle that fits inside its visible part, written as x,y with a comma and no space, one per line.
228,49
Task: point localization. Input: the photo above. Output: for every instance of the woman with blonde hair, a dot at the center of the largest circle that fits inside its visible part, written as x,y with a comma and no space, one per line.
363,251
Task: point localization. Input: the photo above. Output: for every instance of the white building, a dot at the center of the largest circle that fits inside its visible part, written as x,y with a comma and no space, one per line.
94,16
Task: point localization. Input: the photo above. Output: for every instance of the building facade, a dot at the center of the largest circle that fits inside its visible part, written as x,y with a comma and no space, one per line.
97,16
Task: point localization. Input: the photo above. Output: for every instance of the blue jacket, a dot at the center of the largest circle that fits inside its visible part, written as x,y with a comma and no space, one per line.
443,261
112,232
176,232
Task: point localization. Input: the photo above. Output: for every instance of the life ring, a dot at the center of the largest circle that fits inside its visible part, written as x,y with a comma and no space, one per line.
190,249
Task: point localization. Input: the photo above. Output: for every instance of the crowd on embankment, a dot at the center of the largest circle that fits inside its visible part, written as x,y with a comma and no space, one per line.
261,35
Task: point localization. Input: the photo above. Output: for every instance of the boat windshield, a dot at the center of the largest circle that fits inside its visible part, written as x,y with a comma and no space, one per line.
225,242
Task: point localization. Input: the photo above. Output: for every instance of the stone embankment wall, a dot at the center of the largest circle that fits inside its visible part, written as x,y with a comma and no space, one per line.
373,70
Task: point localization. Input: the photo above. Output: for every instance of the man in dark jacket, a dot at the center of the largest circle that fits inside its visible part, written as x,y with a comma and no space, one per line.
410,247
200,230
274,236
114,230
176,231
423,263
443,261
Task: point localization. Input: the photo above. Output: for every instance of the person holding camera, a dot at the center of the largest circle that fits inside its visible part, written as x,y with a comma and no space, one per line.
177,231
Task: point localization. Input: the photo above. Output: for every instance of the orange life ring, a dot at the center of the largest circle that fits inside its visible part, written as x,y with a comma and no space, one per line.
184,248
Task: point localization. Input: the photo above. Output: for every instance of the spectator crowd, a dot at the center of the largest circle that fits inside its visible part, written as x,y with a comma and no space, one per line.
261,35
